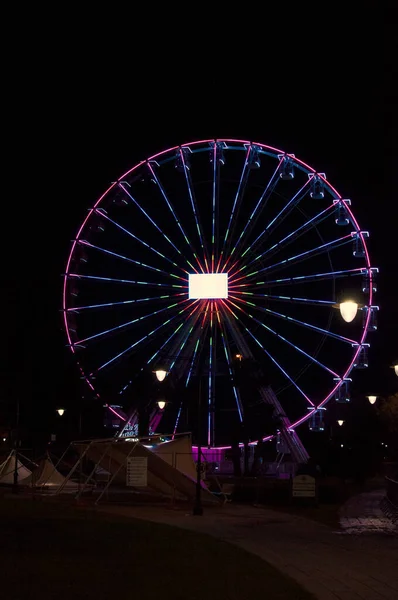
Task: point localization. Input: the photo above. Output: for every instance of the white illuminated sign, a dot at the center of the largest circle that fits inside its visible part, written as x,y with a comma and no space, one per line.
208,285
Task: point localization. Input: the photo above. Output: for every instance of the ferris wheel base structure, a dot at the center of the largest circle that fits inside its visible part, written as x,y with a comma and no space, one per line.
209,251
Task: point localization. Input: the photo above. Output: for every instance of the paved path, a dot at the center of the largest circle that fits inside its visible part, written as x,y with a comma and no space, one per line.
330,565
362,515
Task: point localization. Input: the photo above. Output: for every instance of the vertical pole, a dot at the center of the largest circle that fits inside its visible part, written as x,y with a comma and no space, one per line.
198,509
16,444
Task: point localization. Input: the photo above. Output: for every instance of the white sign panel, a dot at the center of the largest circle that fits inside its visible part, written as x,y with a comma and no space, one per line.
304,486
137,471
208,285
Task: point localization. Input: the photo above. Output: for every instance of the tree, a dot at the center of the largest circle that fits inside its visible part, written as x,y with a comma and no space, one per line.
388,412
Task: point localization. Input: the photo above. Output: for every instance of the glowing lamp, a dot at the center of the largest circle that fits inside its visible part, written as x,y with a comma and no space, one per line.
161,404
160,374
60,411
340,422
207,285
348,310
396,370
372,399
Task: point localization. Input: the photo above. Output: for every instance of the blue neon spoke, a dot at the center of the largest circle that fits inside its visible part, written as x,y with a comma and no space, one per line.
194,208
145,337
157,353
210,379
302,256
107,304
201,330
262,202
131,260
273,359
214,207
154,223
241,186
293,299
286,210
130,281
149,246
231,374
188,336
128,323
278,335
297,321
173,212
291,237
304,278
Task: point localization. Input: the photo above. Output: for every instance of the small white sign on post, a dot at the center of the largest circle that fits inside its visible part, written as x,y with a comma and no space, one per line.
304,486
137,471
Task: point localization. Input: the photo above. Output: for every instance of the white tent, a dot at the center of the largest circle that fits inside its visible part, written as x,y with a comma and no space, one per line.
7,469
46,475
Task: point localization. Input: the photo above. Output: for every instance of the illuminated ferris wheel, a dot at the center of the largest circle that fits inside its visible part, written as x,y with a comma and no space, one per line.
221,261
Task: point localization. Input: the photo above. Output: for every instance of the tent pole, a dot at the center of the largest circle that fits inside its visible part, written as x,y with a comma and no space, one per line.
80,491
61,487
115,473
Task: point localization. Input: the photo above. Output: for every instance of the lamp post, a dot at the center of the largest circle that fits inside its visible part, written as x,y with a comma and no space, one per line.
395,367
340,422
372,399
16,444
60,411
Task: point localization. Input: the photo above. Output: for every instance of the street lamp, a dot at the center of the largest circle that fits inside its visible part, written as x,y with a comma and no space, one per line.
395,367
60,411
372,399
348,310
161,404
160,374
340,422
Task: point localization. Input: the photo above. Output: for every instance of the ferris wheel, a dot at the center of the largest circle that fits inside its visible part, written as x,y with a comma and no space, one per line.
221,261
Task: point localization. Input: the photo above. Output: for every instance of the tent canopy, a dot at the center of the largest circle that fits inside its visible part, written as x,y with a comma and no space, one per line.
7,469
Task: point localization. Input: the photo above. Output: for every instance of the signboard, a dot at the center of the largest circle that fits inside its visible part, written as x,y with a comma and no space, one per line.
137,471
303,486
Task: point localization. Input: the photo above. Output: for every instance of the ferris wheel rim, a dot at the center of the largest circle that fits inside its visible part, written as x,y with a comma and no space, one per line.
296,160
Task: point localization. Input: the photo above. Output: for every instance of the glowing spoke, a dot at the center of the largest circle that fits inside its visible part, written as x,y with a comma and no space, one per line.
278,335
242,184
216,174
272,358
145,337
107,304
229,363
294,300
201,330
194,207
128,323
131,260
290,238
154,224
299,257
210,415
162,190
112,279
262,202
302,279
105,216
297,321
158,352
281,216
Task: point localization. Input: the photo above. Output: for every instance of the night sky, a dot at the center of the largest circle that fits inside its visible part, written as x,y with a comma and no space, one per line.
84,128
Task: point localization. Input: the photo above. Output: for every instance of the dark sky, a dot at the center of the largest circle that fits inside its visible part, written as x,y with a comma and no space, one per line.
330,101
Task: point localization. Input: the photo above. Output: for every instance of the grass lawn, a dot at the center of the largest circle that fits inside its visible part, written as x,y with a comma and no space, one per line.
50,551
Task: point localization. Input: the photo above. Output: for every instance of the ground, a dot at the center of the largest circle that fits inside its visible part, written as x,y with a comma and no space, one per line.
50,551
